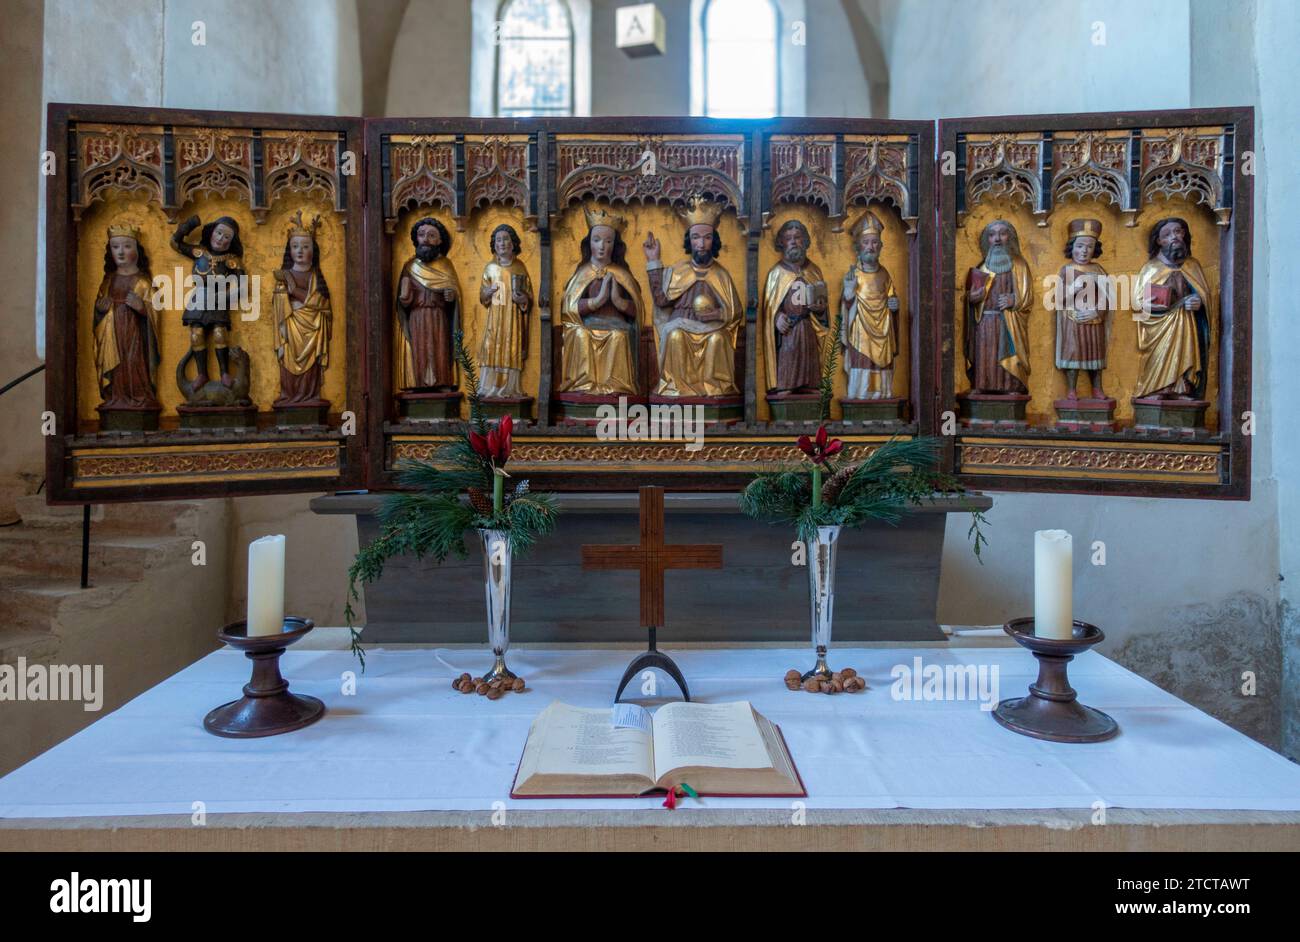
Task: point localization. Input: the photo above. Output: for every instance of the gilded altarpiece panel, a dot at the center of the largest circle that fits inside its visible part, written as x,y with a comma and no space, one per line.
205,315
1095,302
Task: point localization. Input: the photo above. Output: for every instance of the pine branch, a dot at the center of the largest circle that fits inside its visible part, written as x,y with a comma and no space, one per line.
470,382
828,367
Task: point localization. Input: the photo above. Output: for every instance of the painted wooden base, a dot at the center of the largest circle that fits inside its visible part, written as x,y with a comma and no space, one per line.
302,414
128,420
210,417
1183,414
989,410
521,408
873,410
583,409
717,410
1085,415
429,405
795,407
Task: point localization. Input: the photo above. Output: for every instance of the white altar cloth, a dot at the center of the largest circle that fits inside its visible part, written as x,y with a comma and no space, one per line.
406,741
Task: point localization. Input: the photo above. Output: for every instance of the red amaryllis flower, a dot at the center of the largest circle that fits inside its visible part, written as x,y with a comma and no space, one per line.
820,449
495,446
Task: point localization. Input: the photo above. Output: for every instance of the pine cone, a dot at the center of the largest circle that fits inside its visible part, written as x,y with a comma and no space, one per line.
480,501
831,489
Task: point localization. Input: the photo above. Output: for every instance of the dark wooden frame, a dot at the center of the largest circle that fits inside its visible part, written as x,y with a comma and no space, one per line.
61,316
1236,242
378,259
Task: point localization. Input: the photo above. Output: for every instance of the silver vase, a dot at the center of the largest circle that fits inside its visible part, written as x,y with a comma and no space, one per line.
820,554
496,587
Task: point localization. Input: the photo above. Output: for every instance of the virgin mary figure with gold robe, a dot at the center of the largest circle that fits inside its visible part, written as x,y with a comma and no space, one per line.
600,313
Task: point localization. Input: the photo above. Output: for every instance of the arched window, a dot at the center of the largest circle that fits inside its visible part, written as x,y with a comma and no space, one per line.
741,53
534,62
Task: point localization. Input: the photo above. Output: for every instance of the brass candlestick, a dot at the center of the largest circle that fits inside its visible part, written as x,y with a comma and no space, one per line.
1052,710
267,708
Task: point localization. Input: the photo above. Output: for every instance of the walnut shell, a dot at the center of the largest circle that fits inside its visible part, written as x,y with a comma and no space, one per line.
837,686
792,674
826,687
494,693
837,677
848,672
466,688
812,685
518,685
482,689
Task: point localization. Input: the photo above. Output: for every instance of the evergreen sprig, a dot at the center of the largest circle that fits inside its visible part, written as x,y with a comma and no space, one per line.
430,518
899,475
829,363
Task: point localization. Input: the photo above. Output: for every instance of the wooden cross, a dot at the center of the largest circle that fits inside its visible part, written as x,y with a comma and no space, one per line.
652,556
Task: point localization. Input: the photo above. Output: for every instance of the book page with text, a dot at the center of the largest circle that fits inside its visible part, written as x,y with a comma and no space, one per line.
581,741
716,735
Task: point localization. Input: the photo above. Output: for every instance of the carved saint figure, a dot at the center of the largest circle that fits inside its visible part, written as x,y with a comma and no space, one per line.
428,311
601,310
218,271
1174,316
698,312
998,300
870,321
1081,317
126,324
791,311
304,318
507,294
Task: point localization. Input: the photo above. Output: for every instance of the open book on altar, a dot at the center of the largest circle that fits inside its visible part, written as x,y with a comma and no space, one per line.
717,748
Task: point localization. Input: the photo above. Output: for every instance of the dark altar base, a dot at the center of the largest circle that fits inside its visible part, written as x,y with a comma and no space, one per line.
795,407
302,413
718,410
1178,414
128,419
874,410
575,408
1085,415
519,408
429,405
989,410
887,589
201,418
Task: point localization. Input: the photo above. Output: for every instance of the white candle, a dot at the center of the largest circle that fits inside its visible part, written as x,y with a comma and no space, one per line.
1053,585
266,585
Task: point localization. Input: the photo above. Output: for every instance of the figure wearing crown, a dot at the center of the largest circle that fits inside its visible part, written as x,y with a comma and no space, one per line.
869,330
791,316
304,325
506,293
698,312
599,315
126,334
1081,306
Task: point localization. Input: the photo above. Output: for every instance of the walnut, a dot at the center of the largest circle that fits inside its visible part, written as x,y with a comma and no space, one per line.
812,685
466,688
791,674
494,693
837,686
826,687
518,685
837,677
482,689
848,672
